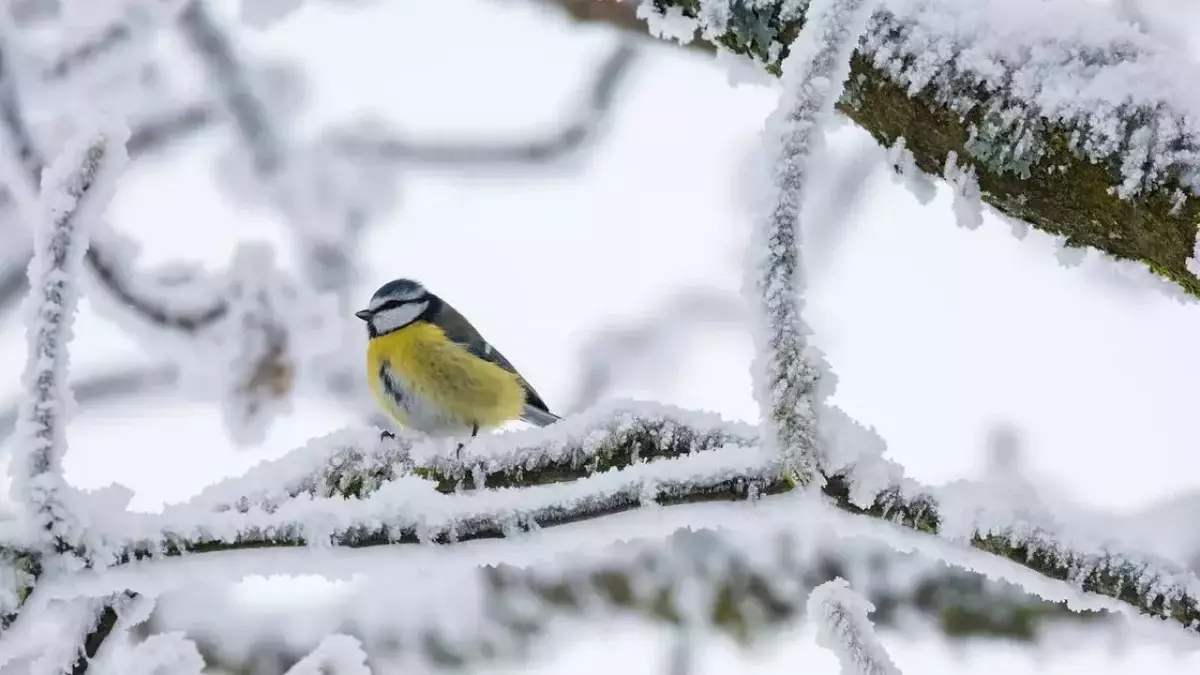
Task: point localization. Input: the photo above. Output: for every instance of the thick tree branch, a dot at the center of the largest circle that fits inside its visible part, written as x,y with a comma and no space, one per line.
1116,176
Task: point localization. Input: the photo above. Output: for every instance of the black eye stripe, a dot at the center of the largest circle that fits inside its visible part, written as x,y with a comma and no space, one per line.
393,304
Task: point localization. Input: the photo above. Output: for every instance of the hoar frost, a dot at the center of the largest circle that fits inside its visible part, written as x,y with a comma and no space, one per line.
968,209
786,368
76,189
844,629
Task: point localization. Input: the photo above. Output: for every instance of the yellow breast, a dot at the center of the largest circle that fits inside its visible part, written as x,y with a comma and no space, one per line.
442,376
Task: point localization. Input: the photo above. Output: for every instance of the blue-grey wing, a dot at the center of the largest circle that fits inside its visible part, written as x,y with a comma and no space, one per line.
460,331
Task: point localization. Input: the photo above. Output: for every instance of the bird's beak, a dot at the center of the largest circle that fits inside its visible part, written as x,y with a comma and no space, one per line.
363,314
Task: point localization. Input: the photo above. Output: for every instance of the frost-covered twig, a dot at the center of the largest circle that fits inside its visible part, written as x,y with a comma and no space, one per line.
408,510
787,369
75,192
1074,120
73,621
355,463
382,144
106,621
844,629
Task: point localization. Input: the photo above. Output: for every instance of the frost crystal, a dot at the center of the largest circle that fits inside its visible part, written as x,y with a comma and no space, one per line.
968,209
844,629
906,172
786,368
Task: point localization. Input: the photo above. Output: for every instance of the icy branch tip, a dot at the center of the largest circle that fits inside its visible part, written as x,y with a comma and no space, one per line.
844,629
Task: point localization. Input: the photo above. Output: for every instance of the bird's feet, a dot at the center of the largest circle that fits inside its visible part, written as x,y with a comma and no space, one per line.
458,452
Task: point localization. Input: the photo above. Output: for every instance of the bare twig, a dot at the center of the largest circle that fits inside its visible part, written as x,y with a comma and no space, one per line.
611,351
160,131
583,128
118,281
245,109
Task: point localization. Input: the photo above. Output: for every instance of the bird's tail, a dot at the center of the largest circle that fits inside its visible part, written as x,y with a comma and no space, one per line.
538,417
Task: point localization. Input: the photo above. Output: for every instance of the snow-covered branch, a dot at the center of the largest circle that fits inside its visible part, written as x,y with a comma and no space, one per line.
844,629
1073,121
787,370
76,190
351,489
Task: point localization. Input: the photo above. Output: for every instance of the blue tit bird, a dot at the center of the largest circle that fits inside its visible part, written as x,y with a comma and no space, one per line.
432,371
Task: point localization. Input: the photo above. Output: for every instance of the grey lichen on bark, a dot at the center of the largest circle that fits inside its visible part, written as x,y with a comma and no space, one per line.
1031,165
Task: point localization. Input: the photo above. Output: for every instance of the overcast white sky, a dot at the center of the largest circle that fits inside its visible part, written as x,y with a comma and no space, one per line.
936,333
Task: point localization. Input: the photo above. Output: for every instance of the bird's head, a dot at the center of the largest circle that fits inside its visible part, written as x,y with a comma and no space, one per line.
395,305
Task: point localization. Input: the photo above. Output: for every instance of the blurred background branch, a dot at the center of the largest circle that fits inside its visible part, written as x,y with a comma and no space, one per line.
751,599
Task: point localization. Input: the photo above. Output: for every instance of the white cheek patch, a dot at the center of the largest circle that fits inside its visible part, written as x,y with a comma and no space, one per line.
397,317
